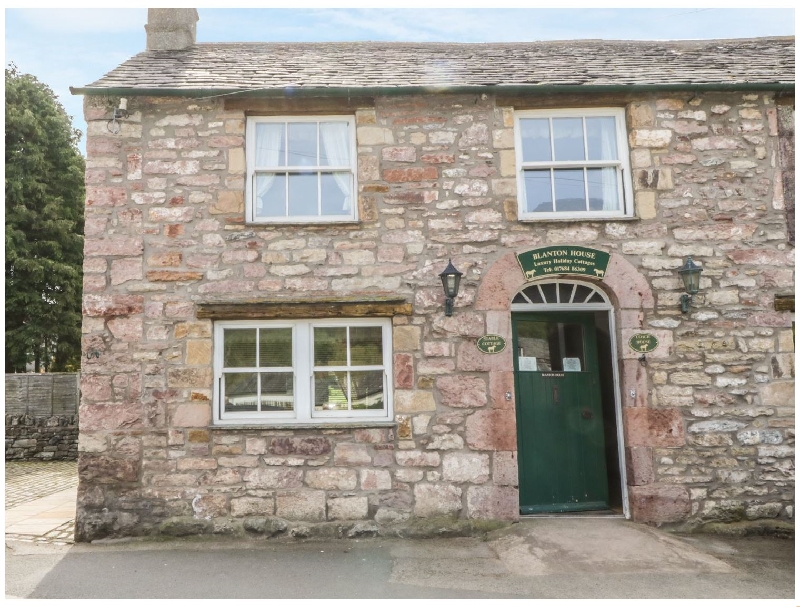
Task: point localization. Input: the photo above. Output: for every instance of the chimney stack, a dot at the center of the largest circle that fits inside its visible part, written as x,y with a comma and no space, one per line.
170,29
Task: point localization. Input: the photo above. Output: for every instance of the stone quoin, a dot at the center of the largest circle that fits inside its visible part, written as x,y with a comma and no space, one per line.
176,255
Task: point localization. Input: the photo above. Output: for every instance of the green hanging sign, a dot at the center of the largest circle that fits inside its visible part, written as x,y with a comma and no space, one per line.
567,259
643,343
491,344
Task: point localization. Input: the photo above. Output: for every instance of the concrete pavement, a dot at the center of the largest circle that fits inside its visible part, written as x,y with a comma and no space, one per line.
554,557
540,558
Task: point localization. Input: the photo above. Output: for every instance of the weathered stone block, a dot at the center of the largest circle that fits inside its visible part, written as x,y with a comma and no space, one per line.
659,503
252,506
300,505
465,468
375,480
462,391
494,430
413,401
331,478
653,427
191,415
417,458
491,502
639,465
306,445
347,508
104,470
273,478
351,455
210,506
436,499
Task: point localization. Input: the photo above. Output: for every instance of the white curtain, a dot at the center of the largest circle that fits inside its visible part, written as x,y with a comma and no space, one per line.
336,144
269,138
608,143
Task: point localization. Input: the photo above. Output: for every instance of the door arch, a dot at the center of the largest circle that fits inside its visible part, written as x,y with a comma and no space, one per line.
583,444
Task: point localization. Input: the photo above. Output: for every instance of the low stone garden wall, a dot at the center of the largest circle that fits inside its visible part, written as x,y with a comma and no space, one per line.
42,416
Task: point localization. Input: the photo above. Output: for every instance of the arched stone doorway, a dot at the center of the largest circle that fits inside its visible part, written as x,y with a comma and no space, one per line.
631,298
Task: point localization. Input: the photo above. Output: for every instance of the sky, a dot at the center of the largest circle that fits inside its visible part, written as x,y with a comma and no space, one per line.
74,47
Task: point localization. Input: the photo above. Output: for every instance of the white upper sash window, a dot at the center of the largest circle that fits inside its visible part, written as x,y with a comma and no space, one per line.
301,169
572,163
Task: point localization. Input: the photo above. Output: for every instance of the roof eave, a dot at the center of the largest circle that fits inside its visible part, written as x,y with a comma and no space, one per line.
497,89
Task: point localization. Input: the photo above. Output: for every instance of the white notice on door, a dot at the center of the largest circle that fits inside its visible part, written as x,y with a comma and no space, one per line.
527,363
571,364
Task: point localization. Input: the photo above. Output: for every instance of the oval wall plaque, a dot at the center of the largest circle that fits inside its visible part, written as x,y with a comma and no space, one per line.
491,344
643,343
566,259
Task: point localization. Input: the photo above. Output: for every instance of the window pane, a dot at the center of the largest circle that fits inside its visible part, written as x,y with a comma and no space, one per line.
330,390
240,348
303,144
270,195
366,389
336,193
538,194
302,194
270,144
533,294
570,193
568,138
581,294
330,346
564,292
601,138
532,342
277,391
603,195
241,390
334,144
550,343
275,348
549,290
366,346
535,135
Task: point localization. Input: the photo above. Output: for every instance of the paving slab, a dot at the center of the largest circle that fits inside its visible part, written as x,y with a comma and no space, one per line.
40,501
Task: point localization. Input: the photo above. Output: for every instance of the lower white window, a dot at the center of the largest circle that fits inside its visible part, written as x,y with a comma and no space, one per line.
302,371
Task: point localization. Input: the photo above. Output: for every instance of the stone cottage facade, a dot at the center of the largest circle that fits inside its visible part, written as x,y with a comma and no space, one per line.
178,259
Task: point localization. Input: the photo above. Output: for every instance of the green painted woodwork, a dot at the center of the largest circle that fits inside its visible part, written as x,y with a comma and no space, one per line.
562,466
566,259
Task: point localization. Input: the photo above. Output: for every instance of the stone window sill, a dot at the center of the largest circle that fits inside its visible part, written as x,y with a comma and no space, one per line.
580,220
307,426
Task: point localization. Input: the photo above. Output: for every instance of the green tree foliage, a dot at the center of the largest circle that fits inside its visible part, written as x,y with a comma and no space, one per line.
44,229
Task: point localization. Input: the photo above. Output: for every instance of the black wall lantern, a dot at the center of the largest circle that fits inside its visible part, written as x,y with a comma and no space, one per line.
451,278
690,273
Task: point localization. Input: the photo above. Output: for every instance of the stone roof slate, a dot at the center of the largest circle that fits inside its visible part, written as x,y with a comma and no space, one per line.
323,65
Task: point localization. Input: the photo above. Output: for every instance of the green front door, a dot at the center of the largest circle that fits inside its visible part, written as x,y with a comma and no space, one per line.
562,466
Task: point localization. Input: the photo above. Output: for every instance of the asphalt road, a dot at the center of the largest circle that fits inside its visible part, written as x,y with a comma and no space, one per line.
566,558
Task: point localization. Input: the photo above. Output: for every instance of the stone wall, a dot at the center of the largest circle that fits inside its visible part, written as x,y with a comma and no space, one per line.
709,434
41,415
41,437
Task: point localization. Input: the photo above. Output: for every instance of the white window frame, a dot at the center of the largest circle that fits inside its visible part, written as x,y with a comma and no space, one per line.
250,158
622,164
303,368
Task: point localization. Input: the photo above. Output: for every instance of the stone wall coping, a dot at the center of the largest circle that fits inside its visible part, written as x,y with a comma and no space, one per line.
329,426
307,307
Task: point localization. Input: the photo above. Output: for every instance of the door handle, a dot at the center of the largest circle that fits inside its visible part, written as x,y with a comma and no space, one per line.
586,414
555,395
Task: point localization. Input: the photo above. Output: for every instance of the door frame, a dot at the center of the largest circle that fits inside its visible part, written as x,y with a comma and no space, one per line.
607,307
